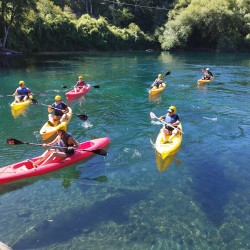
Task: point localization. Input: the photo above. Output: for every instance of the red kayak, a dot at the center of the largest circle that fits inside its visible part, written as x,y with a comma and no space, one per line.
25,169
73,94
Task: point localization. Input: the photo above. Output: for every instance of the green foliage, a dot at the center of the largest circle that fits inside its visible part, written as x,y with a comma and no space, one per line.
219,25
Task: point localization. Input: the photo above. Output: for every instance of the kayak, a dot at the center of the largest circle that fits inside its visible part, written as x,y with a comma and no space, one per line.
167,149
25,169
155,90
73,94
48,131
201,81
21,105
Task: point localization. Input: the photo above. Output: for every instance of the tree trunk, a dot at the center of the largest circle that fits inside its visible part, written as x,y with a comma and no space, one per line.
6,32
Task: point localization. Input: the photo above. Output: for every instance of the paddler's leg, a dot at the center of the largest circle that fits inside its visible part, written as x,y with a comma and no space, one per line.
164,131
64,118
43,157
62,155
174,133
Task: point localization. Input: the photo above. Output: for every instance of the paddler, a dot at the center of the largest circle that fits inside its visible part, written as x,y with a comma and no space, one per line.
22,93
66,142
158,82
60,111
171,127
80,84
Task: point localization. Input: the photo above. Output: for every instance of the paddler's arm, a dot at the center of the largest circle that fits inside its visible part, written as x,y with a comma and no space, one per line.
50,109
71,140
175,123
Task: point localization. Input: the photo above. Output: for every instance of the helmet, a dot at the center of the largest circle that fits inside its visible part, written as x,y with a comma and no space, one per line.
21,83
207,69
173,108
58,98
80,77
62,127
160,75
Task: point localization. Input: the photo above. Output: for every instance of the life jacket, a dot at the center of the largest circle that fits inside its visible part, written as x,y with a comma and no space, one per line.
58,106
170,119
23,91
64,143
80,84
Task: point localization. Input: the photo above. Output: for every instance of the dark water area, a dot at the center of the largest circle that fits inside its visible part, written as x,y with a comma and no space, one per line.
201,200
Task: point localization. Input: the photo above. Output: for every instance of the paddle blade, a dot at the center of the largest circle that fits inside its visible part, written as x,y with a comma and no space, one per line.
168,73
152,115
83,117
12,141
96,86
64,87
100,152
33,101
96,151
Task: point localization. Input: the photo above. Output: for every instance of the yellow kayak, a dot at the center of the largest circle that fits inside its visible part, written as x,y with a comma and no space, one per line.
21,105
201,81
48,131
156,90
167,149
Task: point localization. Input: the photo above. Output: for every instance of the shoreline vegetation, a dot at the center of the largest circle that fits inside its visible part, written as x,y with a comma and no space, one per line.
181,25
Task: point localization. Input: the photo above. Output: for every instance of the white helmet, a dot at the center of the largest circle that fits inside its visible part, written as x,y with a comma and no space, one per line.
207,68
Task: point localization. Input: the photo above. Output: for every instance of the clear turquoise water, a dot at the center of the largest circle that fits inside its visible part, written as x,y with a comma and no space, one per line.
200,202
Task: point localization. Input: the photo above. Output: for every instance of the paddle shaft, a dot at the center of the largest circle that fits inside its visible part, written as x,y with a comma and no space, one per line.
39,144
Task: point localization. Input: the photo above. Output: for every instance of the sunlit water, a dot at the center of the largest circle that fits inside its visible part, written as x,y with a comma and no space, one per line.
201,201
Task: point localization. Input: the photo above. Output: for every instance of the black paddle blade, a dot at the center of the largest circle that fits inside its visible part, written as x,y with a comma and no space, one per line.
96,86
12,141
168,73
83,117
100,152
33,101
64,87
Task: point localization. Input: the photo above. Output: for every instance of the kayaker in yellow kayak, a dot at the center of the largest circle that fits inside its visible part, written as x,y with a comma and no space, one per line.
80,84
22,93
60,111
171,128
207,74
66,142
158,82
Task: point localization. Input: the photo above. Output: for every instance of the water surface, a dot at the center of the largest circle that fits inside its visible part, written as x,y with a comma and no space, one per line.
201,201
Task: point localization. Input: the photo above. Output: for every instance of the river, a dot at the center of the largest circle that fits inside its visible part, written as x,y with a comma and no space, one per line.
201,201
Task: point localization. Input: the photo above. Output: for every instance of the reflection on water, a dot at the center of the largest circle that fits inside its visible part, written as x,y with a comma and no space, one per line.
202,88
78,99
155,98
163,164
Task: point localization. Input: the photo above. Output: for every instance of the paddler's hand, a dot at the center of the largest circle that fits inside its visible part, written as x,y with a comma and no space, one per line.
70,148
64,111
45,145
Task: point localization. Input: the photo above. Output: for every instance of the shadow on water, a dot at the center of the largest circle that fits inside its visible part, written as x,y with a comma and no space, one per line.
81,220
212,190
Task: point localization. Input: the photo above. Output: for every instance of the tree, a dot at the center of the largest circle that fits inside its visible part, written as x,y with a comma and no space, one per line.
12,13
219,25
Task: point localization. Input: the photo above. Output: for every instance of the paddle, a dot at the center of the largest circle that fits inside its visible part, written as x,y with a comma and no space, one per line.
94,86
82,117
10,95
167,73
12,141
153,116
